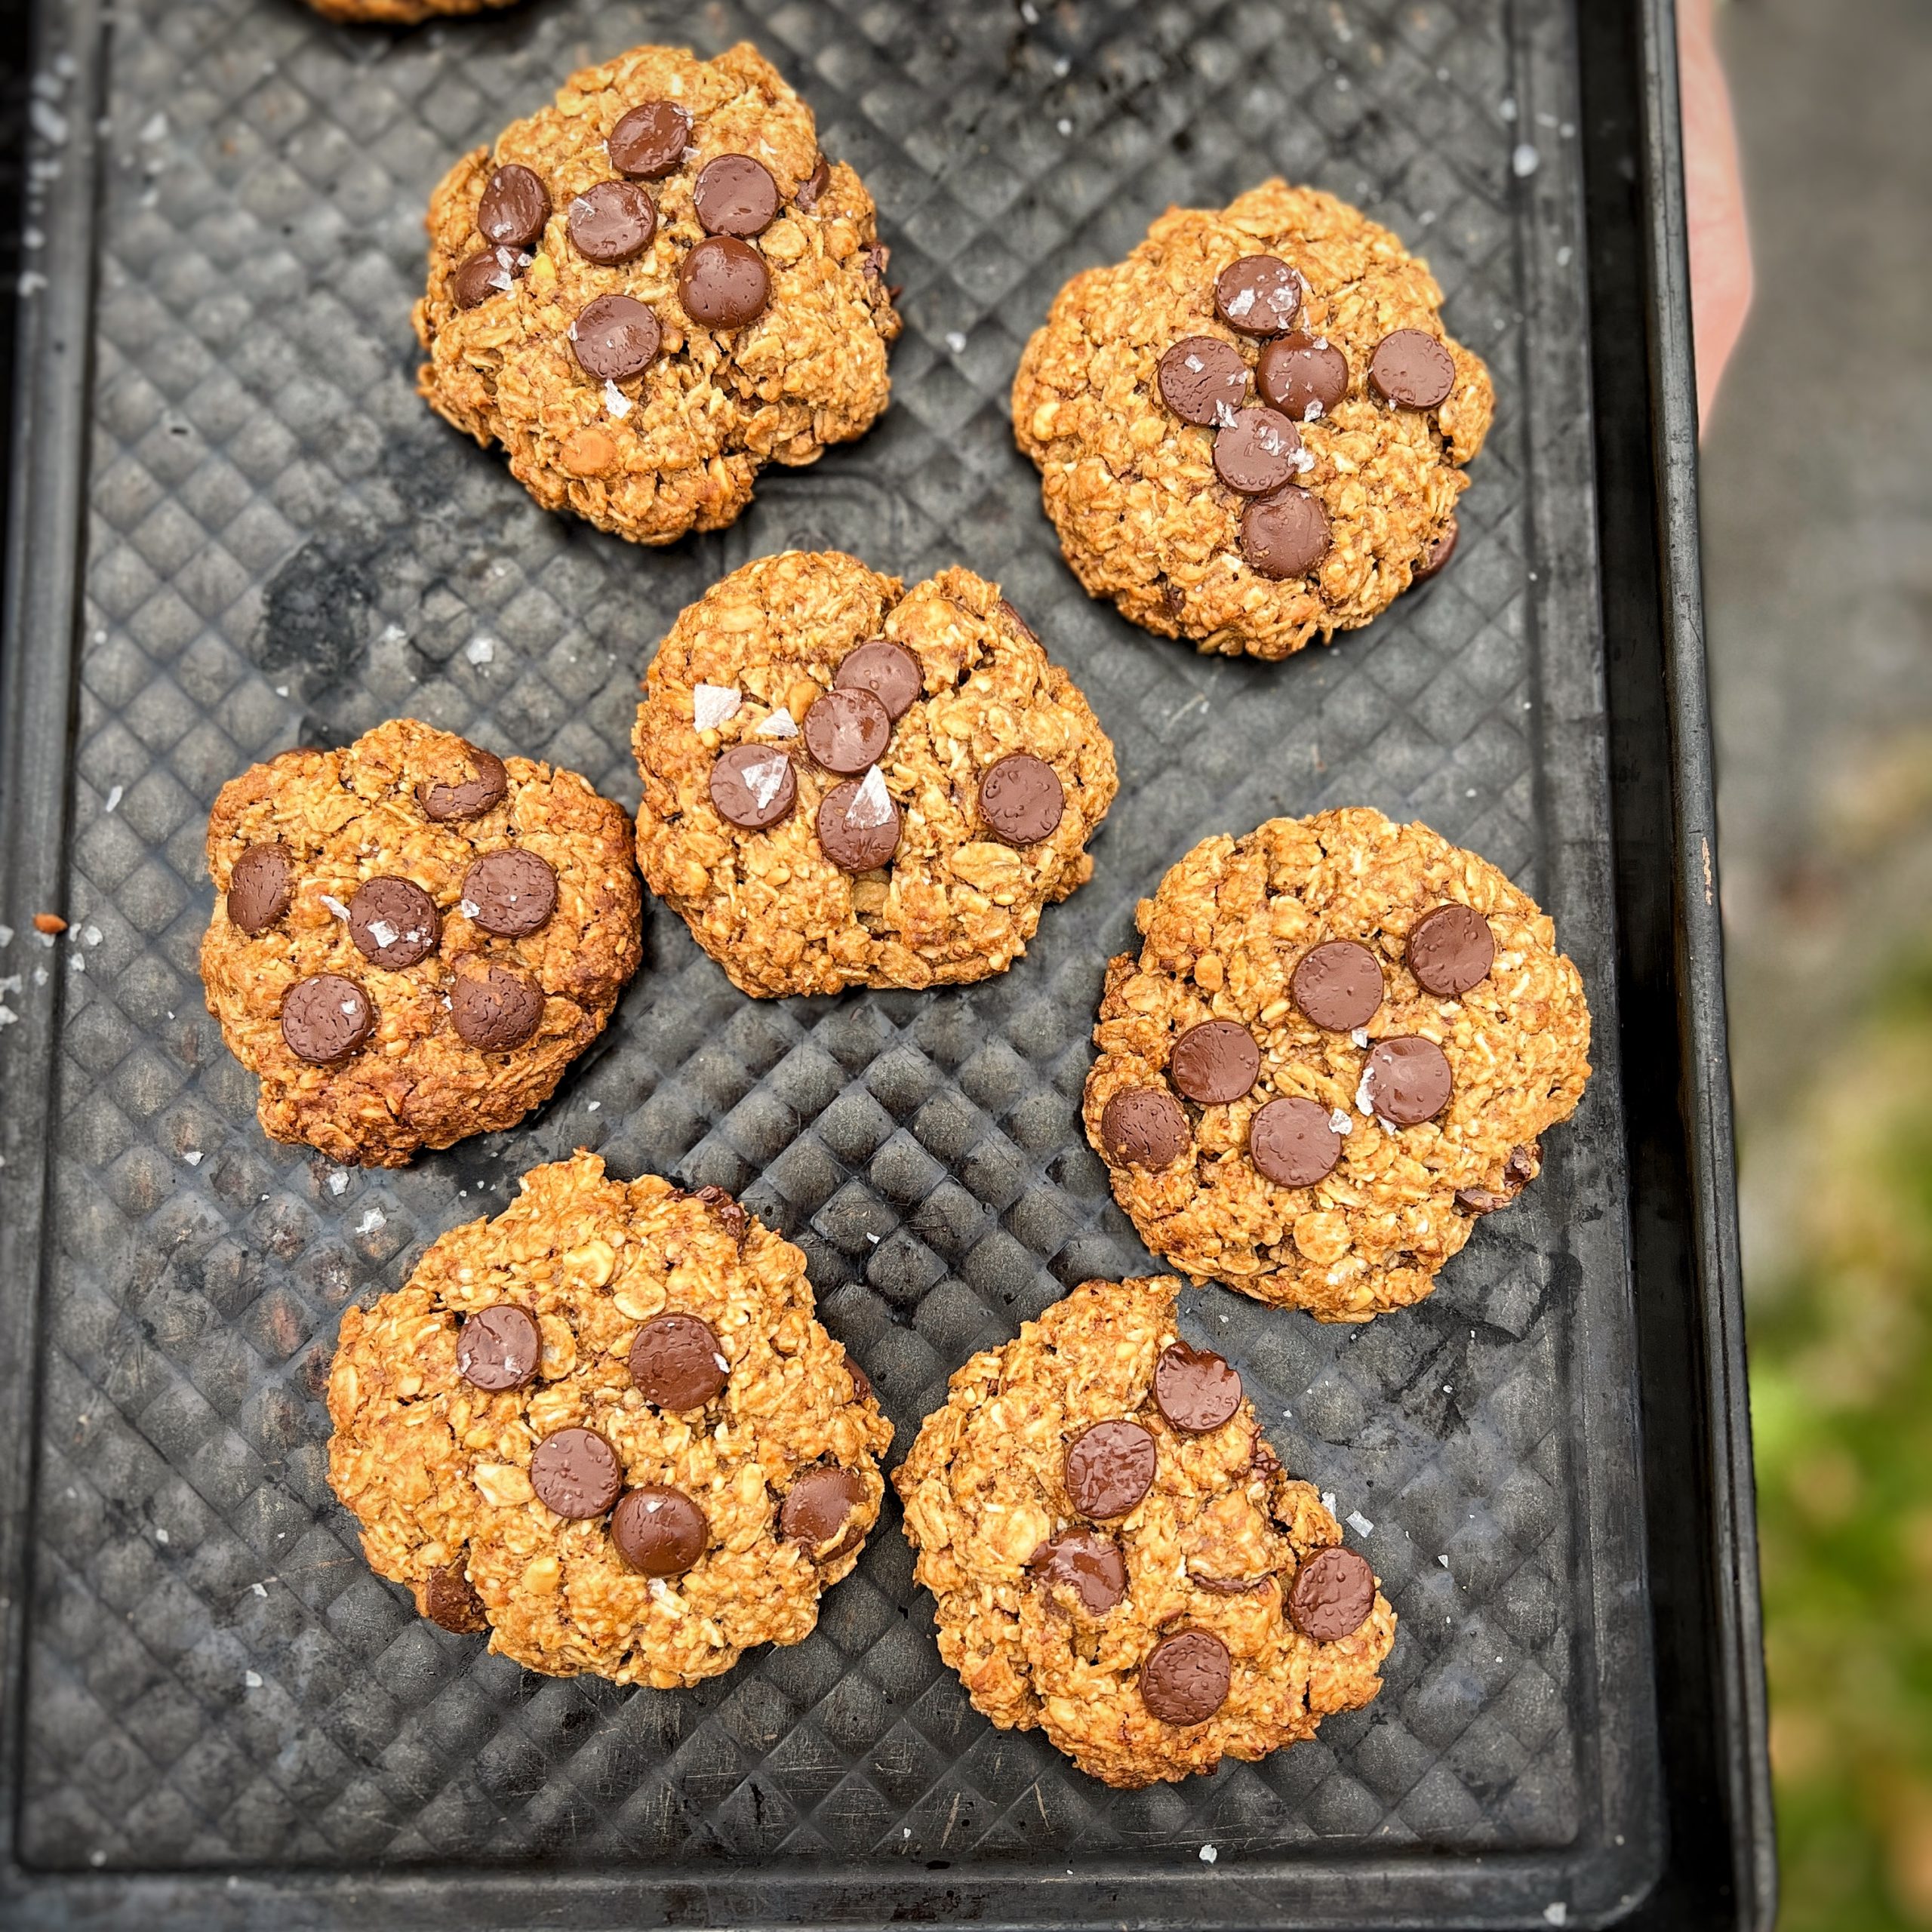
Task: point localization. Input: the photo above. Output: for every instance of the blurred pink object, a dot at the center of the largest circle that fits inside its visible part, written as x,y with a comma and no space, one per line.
1714,197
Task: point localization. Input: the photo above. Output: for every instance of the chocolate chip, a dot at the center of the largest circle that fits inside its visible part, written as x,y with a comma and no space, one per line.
1018,622
1086,1561
734,194
1258,295
1144,1127
731,1214
1302,378
576,1473
1332,1594
1438,554
1292,1143
1228,1586
1518,1171
889,671
394,923
1286,534
1481,1200
496,1009
1407,1080
813,185
510,893
490,271
847,729
1021,798
450,1601
818,1506
498,1347
1195,1389
1186,1678
724,283
1215,1062
1412,370
326,1018
1524,1165
1255,453
515,206
1110,1468
260,885
858,824
612,222
1338,985
658,1531
678,1361
753,786
468,798
1204,380
862,1382
615,337
1451,949
650,139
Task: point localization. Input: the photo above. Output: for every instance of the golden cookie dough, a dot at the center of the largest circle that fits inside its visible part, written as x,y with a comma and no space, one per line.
398,13
1133,489
736,682
677,445
1434,1100
1067,1605
471,920
545,1354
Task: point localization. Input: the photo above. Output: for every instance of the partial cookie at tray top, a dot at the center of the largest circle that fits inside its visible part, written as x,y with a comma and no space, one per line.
398,13
846,782
650,289
1337,1050
1251,432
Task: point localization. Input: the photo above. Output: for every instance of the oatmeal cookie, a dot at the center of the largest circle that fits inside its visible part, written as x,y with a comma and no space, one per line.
1252,431
652,288
849,783
412,937
1337,1048
1119,1559
398,13
606,1427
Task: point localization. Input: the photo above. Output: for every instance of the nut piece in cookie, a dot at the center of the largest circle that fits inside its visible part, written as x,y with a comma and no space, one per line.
607,1427
1118,1558
1252,431
846,782
650,289
1339,1045
413,938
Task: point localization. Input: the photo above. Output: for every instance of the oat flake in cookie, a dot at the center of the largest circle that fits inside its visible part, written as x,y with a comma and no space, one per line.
629,1503
849,783
1413,1029
1154,1605
1252,432
413,938
652,288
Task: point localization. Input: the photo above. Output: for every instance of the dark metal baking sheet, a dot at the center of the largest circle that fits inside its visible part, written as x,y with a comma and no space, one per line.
238,530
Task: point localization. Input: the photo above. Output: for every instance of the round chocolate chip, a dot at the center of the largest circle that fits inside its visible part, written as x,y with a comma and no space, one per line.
858,824
326,1018
1144,1127
394,923
658,1531
1021,798
615,337
1451,949
649,140
1292,1143
1286,534
510,892
1204,380
1338,985
1255,453
677,1361
889,671
1438,554
724,283
498,1347
1215,1062
515,206
468,798
1302,378
576,1473
1332,1594
496,1009
734,194
1412,370
817,1507
1086,1561
1407,1080
260,885
1195,1389
1258,295
450,1601
847,729
1186,1678
612,222
753,786
490,271
813,185
1110,1468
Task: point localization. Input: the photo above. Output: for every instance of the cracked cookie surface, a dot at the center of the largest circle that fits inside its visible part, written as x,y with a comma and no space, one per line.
533,1444
846,782
1335,1049
1117,1556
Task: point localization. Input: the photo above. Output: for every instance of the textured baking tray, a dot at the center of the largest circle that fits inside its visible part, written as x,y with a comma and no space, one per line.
237,530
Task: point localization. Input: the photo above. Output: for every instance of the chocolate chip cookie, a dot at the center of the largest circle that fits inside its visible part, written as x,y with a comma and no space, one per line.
1119,1559
1337,1051
398,13
849,783
649,290
1251,432
413,938
606,1427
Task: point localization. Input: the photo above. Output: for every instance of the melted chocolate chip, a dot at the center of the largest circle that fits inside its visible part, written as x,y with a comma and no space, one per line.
511,893
649,140
468,798
1292,1143
1412,370
1286,534
1215,1062
1021,798
1438,554
889,671
846,730
732,1215
394,923
1332,1594
260,885
1451,949
1338,985
1144,1127
1087,1562
612,222
326,1018
862,1382
497,1008
1195,1389
615,337
658,1531
858,824
734,194
1255,453
1258,295
678,1361
515,206
1110,1468
490,271
450,1601
753,786
499,1347
1302,378
1204,380
1186,1678
817,1507
1407,1080
576,1473
724,283
814,185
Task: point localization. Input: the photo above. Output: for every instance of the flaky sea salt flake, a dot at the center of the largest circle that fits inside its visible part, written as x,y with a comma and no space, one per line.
714,705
